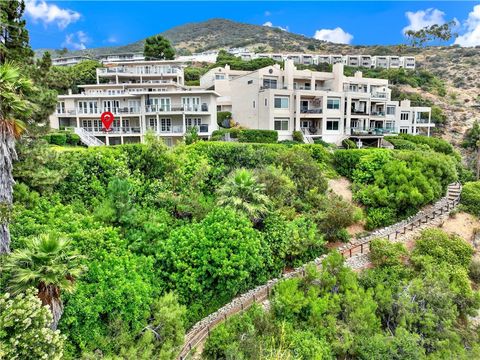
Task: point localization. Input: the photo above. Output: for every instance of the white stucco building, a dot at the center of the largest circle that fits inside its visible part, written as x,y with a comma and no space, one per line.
143,96
324,105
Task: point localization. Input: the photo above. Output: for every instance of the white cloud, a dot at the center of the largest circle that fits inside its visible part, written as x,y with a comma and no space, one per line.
423,18
76,41
337,35
269,24
472,36
39,10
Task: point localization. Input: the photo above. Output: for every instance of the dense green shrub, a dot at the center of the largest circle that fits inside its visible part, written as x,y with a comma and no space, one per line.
222,116
436,144
258,136
73,139
401,144
298,136
58,139
349,144
470,197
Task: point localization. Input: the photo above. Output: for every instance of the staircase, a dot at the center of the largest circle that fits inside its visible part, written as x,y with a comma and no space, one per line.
87,138
307,136
453,192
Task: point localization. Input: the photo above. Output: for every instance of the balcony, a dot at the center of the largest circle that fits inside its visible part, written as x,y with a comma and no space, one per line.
377,113
379,95
359,112
358,131
176,108
306,110
113,130
139,71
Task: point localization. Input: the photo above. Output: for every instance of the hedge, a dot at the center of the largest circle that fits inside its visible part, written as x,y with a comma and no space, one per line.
470,197
73,139
58,139
258,136
222,116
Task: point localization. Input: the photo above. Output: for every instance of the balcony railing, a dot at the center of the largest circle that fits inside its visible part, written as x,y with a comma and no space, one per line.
379,95
98,111
305,110
359,112
113,130
167,108
378,113
371,131
422,121
139,71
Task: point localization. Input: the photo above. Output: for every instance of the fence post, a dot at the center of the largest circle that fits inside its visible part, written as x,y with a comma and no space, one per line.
350,252
361,248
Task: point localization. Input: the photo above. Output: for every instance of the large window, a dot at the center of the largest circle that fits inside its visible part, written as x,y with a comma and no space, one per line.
390,110
281,102
152,124
193,122
166,125
61,107
333,124
281,124
404,116
403,130
333,103
270,83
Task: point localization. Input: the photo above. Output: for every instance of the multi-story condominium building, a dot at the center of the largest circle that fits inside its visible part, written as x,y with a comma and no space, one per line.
143,96
219,79
69,60
324,105
109,58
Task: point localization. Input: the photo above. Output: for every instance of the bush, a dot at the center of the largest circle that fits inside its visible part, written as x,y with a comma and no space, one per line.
298,136
474,271
401,144
222,116
379,217
349,144
385,253
470,197
58,139
436,144
73,139
258,136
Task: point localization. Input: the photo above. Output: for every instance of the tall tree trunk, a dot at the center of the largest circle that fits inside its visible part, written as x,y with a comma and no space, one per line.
7,156
50,295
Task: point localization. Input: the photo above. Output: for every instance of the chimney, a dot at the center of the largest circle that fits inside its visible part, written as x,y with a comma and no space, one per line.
337,84
289,68
405,103
358,74
69,91
227,67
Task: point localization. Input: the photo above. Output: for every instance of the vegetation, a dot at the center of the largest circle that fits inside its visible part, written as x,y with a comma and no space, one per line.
395,184
400,309
442,32
258,136
158,48
25,328
470,197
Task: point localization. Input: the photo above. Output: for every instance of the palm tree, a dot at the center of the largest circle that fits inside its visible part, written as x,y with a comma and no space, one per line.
12,106
47,264
242,192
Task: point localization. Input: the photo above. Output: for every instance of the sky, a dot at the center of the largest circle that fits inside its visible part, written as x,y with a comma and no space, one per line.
89,24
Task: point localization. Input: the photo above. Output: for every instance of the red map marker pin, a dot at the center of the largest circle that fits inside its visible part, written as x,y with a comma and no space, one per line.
107,119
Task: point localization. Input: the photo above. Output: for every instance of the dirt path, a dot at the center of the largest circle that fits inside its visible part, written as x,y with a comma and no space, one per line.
342,187
461,224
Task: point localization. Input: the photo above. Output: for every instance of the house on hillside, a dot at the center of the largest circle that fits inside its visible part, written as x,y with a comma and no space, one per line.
143,96
322,105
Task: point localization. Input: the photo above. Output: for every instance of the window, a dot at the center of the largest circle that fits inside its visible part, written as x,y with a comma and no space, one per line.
266,102
390,110
166,125
152,124
61,107
193,122
249,82
281,102
404,116
219,76
403,130
254,104
281,124
333,103
191,103
332,124
270,83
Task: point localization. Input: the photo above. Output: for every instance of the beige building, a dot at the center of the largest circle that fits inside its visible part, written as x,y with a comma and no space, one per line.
322,105
143,96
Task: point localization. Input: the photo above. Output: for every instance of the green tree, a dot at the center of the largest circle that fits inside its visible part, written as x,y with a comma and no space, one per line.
442,32
158,48
14,39
25,328
47,264
117,207
241,191
13,105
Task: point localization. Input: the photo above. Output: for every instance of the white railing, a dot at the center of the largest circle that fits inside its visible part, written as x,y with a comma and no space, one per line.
87,138
307,136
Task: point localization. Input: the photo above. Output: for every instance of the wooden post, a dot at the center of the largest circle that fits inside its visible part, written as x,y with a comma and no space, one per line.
361,248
